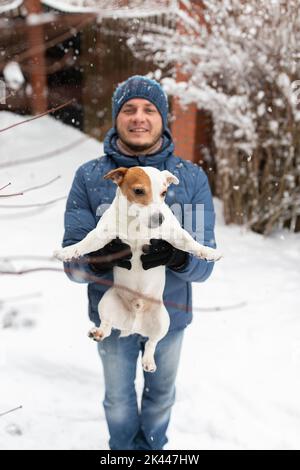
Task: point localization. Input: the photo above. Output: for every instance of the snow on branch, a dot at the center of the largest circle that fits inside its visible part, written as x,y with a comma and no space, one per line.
113,8
241,63
7,5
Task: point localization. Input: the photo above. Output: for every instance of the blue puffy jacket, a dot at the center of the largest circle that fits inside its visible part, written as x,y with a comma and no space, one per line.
89,191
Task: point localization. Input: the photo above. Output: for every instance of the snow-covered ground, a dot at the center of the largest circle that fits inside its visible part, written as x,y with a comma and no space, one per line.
238,384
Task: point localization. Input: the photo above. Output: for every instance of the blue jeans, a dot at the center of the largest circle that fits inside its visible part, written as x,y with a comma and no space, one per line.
129,427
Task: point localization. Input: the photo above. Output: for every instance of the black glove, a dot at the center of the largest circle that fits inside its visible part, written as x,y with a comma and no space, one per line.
115,253
160,252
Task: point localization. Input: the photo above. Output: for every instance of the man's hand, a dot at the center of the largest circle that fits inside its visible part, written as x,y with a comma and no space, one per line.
160,253
115,253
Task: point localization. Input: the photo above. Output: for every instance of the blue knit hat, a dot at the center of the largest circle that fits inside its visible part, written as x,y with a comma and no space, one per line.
140,87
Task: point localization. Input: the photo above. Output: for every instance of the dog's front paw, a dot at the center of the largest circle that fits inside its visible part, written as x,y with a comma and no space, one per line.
66,254
148,364
96,334
210,254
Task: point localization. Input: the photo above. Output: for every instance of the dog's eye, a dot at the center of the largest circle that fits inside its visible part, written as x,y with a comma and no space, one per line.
163,194
139,191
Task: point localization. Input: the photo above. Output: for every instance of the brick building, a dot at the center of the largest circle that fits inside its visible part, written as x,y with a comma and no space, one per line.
69,52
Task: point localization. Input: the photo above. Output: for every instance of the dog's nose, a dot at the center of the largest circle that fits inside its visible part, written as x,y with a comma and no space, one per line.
156,220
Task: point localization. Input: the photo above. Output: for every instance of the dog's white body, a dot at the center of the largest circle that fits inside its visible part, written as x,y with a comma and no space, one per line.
134,304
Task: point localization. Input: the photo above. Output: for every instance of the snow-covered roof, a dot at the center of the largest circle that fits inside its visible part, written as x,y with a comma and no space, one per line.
113,8
6,5
104,8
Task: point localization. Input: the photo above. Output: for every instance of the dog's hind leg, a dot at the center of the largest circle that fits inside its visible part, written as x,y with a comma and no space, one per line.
112,314
105,308
148,362
155,328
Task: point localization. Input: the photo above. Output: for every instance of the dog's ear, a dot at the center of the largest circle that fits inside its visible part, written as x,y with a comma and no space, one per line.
170,178
116,175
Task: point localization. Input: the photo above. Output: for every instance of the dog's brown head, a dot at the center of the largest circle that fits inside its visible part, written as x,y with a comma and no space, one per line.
145,187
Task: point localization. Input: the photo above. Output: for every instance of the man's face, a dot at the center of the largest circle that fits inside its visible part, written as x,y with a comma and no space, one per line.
139,124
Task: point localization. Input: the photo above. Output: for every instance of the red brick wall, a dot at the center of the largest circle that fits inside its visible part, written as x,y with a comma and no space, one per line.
184,129
189,128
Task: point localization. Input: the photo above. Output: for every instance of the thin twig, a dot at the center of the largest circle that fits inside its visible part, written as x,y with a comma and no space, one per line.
10,411
33,188
31,53
3,187
27,257
41,204
109,283
50,43
52,110
10,195
28,271
222,308
44,156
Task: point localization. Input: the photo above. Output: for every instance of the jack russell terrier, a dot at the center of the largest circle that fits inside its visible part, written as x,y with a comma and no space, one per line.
138,212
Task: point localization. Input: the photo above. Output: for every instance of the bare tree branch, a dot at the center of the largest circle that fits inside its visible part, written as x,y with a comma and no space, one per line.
3,187
52,110
41,204
10,411
33,188
27,257
44,156
109,283
9,195
52,42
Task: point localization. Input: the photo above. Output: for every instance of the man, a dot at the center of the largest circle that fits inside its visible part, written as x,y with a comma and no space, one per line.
140,137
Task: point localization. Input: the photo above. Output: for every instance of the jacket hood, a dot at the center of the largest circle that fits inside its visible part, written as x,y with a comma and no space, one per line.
156,159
